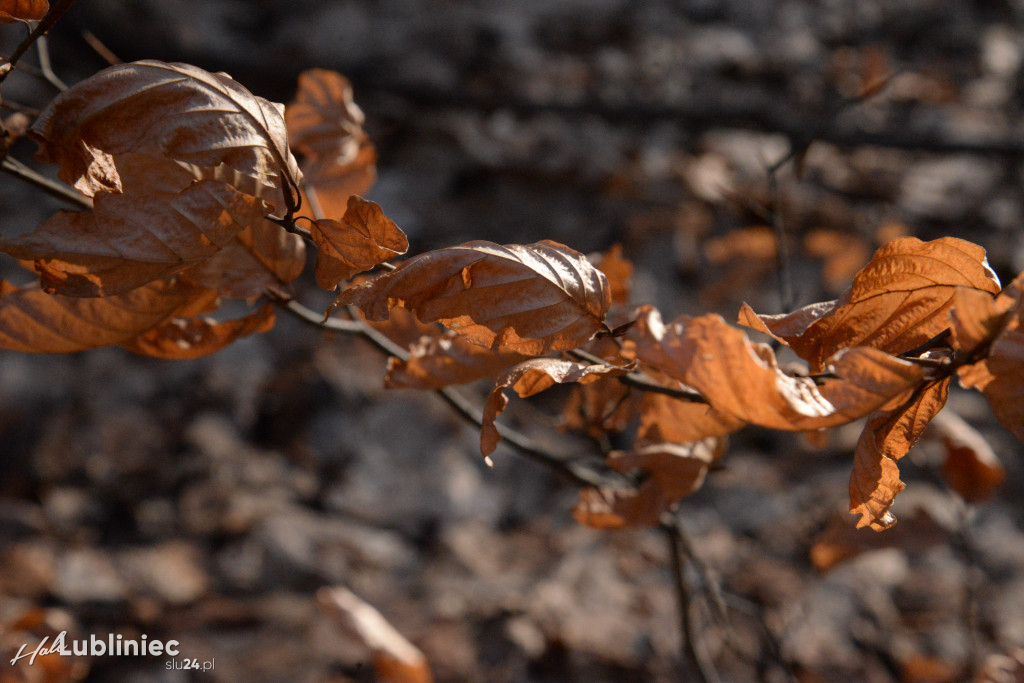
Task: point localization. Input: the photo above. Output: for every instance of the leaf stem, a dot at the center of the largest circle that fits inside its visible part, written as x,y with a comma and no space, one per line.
47,22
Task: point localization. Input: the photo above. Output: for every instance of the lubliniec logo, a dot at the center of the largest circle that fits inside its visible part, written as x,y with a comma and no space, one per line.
111,646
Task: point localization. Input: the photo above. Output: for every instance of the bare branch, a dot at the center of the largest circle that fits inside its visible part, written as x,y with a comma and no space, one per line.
48,22
51,187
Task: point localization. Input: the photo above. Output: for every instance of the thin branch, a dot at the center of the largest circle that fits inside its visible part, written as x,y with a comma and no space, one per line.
45,67
51,187
638,380
708,109
687,625
47,22
781,242
583,471
100,48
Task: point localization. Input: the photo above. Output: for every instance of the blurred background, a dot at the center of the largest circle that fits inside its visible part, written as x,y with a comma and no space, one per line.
207,500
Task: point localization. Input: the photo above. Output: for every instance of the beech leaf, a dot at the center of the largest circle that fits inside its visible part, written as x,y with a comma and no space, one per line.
898,301
527,298
664,419
186,338
23,10
887,437
444,359
33,321
1000,376
326,126
619,272
675,471
261,258
174,112
743,379
362,238
129,240
532,377
971,467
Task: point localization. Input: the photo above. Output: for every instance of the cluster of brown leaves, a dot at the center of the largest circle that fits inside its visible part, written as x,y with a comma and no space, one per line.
186,170
194,183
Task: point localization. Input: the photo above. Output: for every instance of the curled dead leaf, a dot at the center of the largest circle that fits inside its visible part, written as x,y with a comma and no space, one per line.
326,126
444,359
898,301
261,258
673,471
130,240
887,437
526,298
743,379
187,338
971,467
363,238
33,321
172,112
532,377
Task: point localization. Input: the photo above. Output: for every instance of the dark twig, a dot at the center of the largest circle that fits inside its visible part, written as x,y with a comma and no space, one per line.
51,187
100,48
583,471
47,22
687,624
638,380
781,242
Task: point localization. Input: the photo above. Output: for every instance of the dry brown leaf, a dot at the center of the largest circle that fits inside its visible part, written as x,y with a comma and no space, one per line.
35,322
403,328
599,408
1001,376
363,238
887,437
324,121
619,272
664,419
743,379
186,338
129,240
674,472
527,298
173,112
261,258
842,539
604,508
977,317
23,10
898,301
395,659
326,126
532,377
444,359
329,185
971,467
